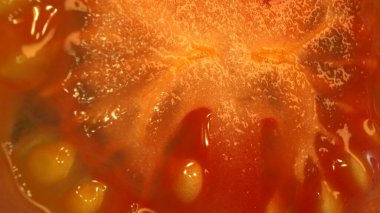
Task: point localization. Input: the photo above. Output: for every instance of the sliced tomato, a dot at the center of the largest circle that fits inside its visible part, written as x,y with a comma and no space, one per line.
213,106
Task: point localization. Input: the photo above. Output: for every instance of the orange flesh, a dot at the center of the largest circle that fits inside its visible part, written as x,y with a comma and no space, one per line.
193,106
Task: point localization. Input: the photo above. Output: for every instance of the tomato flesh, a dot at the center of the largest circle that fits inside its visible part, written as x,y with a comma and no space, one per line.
199,106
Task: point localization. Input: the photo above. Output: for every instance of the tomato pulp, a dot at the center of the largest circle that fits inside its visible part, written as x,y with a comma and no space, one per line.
191,106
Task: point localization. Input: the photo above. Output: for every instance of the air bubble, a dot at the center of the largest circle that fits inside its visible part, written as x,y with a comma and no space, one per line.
8,148
136,208
93,123
338,164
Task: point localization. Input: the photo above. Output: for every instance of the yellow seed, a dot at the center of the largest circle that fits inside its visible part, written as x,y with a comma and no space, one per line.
359,172
87,197
330,201
276,204
188,184
12,5
49,163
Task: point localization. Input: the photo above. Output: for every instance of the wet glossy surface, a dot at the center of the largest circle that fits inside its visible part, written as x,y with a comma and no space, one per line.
191,106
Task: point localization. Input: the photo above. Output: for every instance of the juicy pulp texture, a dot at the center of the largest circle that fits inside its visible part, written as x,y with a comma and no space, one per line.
147,64
221,106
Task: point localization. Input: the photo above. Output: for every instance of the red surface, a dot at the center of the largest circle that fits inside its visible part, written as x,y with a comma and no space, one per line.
242,170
